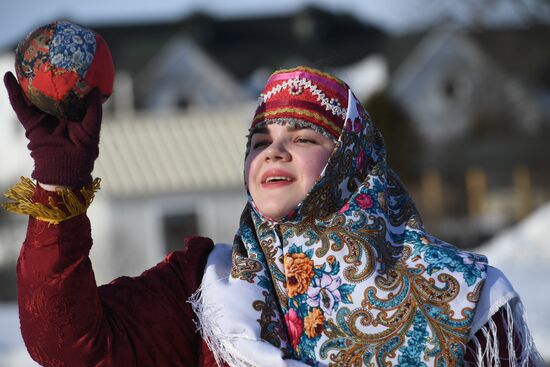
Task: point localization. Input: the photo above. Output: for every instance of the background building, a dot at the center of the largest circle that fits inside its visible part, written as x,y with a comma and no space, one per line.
464,109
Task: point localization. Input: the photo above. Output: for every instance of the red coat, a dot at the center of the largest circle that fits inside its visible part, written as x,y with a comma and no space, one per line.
66,320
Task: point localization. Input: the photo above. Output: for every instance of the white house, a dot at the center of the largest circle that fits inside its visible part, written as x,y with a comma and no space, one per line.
164,175
182,74
14,162
448,81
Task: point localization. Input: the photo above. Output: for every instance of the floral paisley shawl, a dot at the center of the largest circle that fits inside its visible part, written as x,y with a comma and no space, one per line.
349,278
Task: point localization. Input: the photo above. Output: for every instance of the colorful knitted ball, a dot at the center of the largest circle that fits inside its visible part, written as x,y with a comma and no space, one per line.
58,64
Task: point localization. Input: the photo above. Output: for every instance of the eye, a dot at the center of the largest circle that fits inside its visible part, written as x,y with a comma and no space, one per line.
260,144
304,140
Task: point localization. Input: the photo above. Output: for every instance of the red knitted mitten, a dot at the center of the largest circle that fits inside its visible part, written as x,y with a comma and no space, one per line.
63,151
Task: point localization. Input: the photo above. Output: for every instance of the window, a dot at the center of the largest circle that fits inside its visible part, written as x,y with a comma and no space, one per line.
176,227
449,89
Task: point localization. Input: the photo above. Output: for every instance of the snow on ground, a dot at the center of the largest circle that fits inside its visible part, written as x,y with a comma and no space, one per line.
523,254
12,349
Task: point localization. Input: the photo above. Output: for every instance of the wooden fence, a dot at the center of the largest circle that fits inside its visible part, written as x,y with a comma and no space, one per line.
479,197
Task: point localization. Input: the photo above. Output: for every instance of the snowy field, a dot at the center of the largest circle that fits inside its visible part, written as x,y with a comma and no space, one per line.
521,252
12,349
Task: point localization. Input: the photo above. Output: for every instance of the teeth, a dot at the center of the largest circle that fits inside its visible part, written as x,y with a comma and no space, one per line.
277,178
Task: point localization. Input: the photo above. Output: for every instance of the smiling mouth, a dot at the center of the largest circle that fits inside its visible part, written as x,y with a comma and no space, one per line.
277,179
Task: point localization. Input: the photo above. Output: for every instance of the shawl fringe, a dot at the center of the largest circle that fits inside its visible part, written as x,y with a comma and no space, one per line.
219,342
519,342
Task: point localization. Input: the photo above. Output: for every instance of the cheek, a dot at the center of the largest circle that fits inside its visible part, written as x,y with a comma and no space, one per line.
314,166
248,170
321,161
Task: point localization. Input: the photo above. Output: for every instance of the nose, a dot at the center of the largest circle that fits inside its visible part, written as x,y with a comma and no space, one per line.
277,151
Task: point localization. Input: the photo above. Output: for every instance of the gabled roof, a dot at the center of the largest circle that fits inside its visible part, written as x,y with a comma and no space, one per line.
429,50
182,71
247,43
522,52
200,149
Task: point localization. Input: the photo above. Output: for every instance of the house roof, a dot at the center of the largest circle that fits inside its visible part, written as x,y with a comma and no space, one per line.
194,150
242,45
182,71
522,52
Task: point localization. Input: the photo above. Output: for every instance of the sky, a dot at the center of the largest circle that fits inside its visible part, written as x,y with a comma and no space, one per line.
18,17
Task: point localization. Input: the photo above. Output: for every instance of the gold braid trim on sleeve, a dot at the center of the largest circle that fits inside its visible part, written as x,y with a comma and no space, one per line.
21,196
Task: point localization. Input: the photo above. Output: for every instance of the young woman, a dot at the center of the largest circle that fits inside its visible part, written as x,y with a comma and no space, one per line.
331,265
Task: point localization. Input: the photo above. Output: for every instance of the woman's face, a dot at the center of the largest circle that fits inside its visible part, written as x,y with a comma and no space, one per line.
282,165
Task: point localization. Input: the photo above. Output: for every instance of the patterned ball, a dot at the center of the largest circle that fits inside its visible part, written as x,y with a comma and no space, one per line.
58,64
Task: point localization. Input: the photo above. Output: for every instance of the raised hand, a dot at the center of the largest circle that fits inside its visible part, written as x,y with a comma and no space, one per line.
64,151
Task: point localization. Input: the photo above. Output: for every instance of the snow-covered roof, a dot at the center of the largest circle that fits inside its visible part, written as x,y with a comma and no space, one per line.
183,72
201,149
365,77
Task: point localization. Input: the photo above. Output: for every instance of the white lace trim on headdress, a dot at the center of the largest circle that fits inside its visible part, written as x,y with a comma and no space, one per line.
330,104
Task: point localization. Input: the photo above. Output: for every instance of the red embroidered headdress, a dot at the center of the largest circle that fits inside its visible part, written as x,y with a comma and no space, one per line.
304,94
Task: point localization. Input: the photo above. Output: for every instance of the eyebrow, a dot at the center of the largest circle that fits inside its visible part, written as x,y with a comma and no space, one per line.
260,130
264,129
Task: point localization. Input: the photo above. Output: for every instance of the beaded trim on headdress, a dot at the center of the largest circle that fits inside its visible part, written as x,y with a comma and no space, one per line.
306,94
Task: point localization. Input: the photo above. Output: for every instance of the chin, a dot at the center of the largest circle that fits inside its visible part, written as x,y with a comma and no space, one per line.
275,213
272,215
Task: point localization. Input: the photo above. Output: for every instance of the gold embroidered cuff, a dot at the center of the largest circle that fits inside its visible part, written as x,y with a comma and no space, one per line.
21,196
